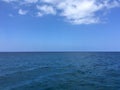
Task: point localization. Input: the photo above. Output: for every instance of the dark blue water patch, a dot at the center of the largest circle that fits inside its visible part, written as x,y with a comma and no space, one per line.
60,71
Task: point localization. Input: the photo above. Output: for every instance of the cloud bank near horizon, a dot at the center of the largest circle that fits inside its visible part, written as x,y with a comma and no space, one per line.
73,11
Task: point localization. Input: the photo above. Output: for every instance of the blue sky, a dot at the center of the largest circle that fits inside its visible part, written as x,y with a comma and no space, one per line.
59,25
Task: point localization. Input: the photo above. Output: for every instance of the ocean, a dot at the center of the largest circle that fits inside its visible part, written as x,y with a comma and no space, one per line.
60,71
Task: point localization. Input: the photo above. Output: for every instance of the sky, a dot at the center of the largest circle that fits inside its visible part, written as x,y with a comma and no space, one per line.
59,25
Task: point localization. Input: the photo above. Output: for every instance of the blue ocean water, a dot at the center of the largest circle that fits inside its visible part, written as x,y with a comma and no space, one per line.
60,71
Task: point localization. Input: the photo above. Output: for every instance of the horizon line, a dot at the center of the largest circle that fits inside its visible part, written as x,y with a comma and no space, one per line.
51,51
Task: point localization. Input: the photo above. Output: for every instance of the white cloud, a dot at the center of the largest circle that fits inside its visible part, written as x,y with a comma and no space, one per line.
74,11
82,11
46,9
79,12
22,12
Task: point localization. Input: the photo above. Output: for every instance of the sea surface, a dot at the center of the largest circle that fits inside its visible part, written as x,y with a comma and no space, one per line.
60,71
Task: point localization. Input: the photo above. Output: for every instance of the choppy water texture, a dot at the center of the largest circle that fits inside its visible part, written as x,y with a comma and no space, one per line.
60,71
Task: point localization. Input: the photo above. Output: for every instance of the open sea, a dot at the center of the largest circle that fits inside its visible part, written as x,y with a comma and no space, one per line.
60,71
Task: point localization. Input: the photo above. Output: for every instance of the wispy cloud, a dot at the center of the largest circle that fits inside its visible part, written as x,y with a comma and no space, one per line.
11,15
39,14
22,12
46,9
31,1
74,11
